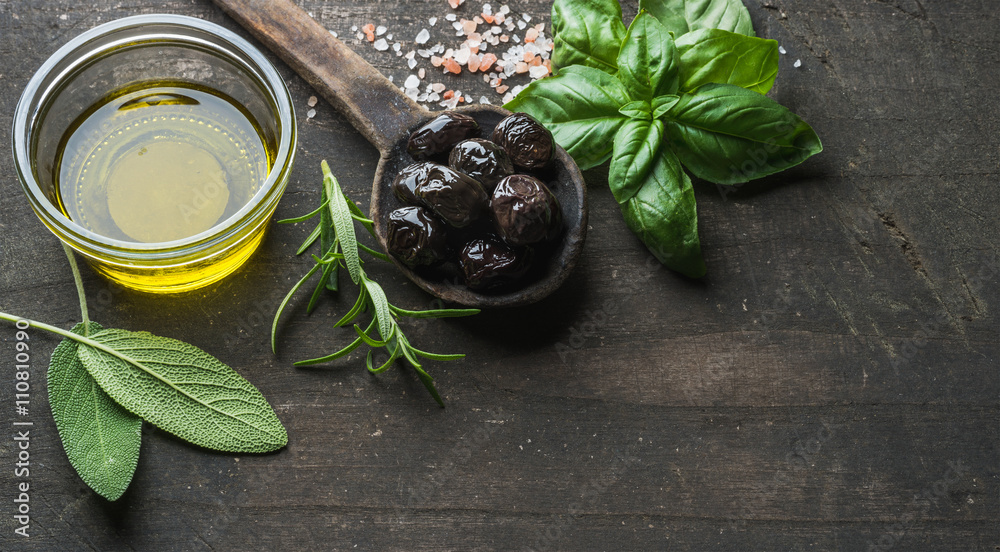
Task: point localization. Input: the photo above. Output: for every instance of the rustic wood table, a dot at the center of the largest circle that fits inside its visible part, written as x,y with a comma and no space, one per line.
832,384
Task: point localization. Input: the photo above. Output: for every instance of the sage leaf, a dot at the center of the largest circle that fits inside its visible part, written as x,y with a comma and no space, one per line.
663,104
580,107
682,16
182,390
636,149
723,57
639,109
663,214
587,32
728,135
101,439
648,59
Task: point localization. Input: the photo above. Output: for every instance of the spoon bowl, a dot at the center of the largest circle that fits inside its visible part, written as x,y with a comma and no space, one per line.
386,117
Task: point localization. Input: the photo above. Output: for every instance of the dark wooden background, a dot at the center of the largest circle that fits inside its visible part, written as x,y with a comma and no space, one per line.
839,358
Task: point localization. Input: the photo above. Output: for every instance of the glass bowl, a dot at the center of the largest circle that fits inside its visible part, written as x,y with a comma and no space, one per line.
128,54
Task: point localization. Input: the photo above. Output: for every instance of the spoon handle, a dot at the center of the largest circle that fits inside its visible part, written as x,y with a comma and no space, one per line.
375,106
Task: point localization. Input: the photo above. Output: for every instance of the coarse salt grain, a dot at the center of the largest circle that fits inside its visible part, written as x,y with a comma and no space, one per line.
312,101
310,114
380,30
781,50
421,73
334,33
798,63
432,21
354,28
423,36
381,45
451,17
412,81
411,63
538,71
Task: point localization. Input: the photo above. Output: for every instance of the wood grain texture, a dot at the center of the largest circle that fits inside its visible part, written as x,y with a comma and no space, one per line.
839,358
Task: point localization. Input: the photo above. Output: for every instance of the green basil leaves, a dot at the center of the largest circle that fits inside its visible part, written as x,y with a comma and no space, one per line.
682,87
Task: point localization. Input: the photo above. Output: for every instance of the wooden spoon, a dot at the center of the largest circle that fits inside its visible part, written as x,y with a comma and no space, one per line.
386,117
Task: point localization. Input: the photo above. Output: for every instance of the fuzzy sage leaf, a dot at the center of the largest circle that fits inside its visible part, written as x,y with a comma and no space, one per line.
101,439
182,390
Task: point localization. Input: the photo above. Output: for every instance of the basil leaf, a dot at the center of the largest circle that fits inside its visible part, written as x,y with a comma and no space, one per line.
637,145
682,16
580,107
647,62
663,214
717,56
663,104
100,437
182,390
639,109
728,135
587,32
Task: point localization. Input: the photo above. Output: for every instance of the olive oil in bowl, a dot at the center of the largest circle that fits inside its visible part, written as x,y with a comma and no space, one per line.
160,162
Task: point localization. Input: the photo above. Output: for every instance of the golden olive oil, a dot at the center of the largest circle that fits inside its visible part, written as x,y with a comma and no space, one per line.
160,162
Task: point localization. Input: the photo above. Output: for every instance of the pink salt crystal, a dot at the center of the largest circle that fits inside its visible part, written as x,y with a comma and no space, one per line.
521,67
487,61
473,63
502,88
530,35
436,61
452,66
468,26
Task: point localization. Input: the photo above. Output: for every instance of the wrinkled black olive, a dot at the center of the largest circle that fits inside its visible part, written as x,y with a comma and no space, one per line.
405,185
528,143
454,197
482,160
415,237
440,134
525,210
489,262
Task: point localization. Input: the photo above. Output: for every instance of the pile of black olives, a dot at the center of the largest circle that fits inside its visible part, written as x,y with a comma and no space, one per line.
476,205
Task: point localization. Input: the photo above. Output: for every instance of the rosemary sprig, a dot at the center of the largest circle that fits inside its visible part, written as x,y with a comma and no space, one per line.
341,249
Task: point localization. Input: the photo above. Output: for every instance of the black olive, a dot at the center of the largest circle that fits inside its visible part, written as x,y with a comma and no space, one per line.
489,263
454,197
405,185
440,134
415,237
525,210
482,160
528,143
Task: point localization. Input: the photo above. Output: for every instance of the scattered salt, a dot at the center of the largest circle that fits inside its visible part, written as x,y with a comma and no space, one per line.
781,50
433,21
421,73
380,30
798,63
412,81
354,28
381,45
334,33
521,25
411,63
451,17
310,114
538,71
423,36
312,101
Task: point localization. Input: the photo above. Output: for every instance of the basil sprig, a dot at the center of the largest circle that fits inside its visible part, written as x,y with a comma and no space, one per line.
684,90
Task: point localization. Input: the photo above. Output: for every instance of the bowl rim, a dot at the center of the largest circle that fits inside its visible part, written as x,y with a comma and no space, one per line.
34,99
